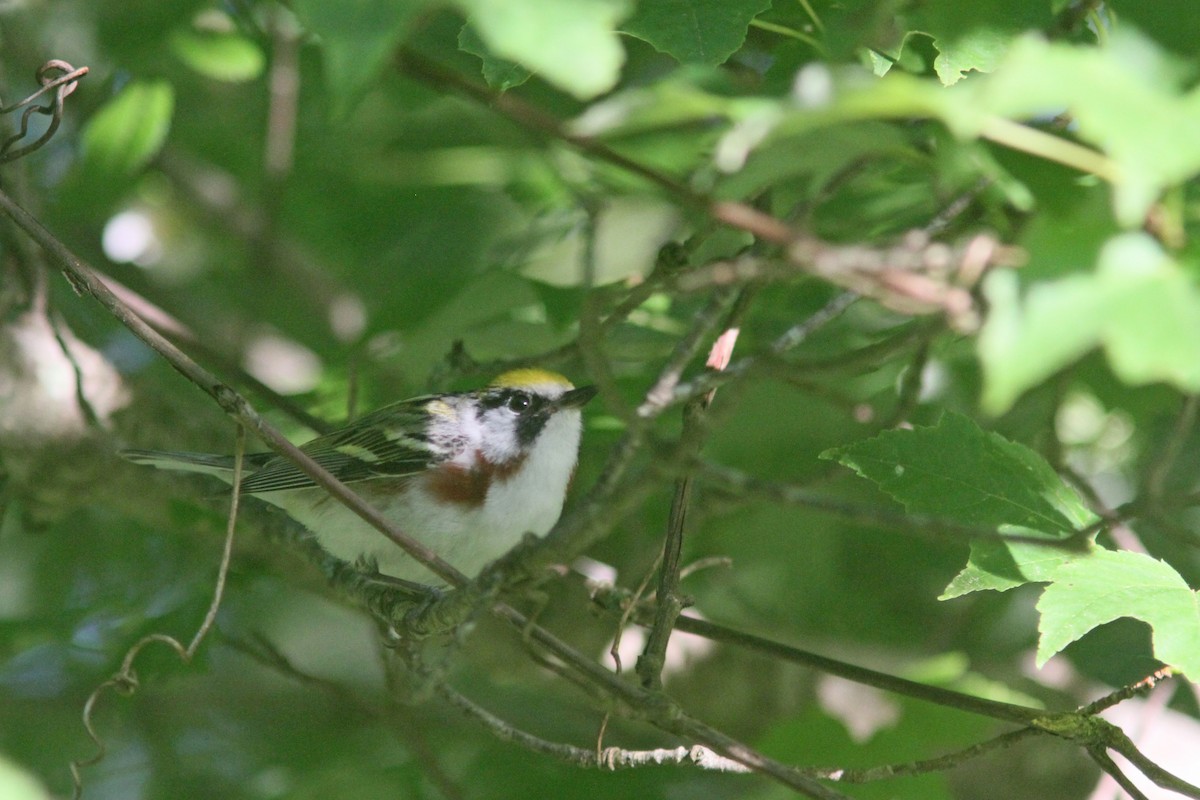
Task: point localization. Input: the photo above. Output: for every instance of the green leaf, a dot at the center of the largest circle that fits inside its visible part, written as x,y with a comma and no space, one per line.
976,36
358,37
18,784
1000,566
1127,98
1172,23
817,158
221,56
695,31
1139,305
957,471
128,130
572,44
500,74
1108,585
628,235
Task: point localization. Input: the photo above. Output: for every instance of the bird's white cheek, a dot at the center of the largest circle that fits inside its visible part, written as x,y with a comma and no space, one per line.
532,499
498,440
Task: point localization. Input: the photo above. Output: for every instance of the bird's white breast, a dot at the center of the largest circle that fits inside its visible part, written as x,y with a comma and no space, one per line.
528,501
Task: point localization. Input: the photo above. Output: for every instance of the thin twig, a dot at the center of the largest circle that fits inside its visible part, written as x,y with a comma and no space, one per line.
1122,744
790,339
1110,767
57,327
125,680
1126,692
1007,712
609,758
266,653
176,330
669,602
910,387
1160,467
662,712
924,766
936,280
85,279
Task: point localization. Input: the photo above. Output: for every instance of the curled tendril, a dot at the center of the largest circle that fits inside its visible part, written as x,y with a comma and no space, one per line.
54,76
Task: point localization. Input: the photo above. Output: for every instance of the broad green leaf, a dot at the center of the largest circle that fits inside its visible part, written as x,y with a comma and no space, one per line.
1126,98
695,31
358,38
1128,103
500,74
976,36
1139,305
1107,585
129,129
1000,566
572,44
957,471
221,56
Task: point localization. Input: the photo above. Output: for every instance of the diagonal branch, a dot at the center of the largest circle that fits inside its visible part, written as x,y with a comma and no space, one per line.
86,280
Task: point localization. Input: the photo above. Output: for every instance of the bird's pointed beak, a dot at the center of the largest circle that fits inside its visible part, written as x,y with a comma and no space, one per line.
576,398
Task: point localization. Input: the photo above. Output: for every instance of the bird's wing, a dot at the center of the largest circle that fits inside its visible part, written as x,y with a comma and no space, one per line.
390,442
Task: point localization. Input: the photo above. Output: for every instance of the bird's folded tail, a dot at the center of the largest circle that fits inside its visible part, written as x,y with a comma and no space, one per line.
207,463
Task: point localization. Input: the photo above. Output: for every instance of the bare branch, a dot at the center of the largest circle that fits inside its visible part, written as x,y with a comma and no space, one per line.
86,280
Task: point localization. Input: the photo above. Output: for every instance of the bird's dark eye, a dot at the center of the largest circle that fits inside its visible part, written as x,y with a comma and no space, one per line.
519,402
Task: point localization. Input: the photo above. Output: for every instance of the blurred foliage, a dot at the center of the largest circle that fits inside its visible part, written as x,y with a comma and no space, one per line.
303,188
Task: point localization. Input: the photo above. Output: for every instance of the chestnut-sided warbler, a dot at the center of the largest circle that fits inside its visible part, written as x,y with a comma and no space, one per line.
466,473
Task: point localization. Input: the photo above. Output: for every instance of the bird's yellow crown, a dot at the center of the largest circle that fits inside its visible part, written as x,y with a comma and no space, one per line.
529,377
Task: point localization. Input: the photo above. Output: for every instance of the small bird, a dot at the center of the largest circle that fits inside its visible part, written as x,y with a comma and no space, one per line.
466,473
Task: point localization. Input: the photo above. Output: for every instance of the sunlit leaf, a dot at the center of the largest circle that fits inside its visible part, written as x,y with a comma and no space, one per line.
702,31
499,73
976,36
1000,566
129,129
221,56
1108,585
957,471
1128,99
573,44
1139,305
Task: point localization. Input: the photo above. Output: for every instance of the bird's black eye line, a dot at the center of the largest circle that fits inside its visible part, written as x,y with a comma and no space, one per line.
514,400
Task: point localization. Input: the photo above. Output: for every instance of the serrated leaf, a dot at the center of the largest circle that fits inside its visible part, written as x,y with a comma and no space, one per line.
957,471
1126,98
572,44
695,31
500,74
1107,585
1000,566
1140,306
357,38
129,129
976,36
